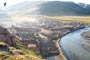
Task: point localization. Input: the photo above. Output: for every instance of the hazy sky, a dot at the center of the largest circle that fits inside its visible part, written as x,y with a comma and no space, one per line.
11,2
79,1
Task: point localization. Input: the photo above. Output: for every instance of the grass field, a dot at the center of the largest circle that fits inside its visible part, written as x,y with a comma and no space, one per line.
83,19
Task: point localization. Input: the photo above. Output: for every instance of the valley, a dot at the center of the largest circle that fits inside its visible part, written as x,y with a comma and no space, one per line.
41,31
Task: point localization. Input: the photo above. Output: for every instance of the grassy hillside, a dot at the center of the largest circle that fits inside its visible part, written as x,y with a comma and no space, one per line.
51,8
58,8
88,7
13,53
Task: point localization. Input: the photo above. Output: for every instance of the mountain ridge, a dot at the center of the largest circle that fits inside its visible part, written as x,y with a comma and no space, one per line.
53,8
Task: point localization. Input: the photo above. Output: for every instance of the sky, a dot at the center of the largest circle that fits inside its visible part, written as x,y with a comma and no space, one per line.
79,1
12,2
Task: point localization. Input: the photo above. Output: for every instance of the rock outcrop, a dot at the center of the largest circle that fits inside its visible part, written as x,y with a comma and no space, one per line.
7,37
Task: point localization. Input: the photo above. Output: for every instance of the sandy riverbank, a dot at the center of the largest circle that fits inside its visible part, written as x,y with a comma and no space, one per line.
86,45
86,35
61,55
86,42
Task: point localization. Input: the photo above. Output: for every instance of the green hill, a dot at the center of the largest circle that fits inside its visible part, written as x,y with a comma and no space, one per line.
62,8
52,8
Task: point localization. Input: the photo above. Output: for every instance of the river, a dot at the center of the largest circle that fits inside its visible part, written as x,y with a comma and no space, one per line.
71,45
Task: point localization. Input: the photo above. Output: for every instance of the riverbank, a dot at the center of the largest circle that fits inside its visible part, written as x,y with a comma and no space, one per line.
71,45
86,35
60,50
86,45
86,42
62,55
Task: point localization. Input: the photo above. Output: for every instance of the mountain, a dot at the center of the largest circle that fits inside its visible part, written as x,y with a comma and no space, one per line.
88,7
62,8
52,8
82,5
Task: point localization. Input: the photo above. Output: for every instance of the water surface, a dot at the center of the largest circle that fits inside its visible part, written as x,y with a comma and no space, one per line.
71,45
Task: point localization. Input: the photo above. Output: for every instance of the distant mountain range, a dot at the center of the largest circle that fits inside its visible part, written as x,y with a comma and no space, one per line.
53,8
88,7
